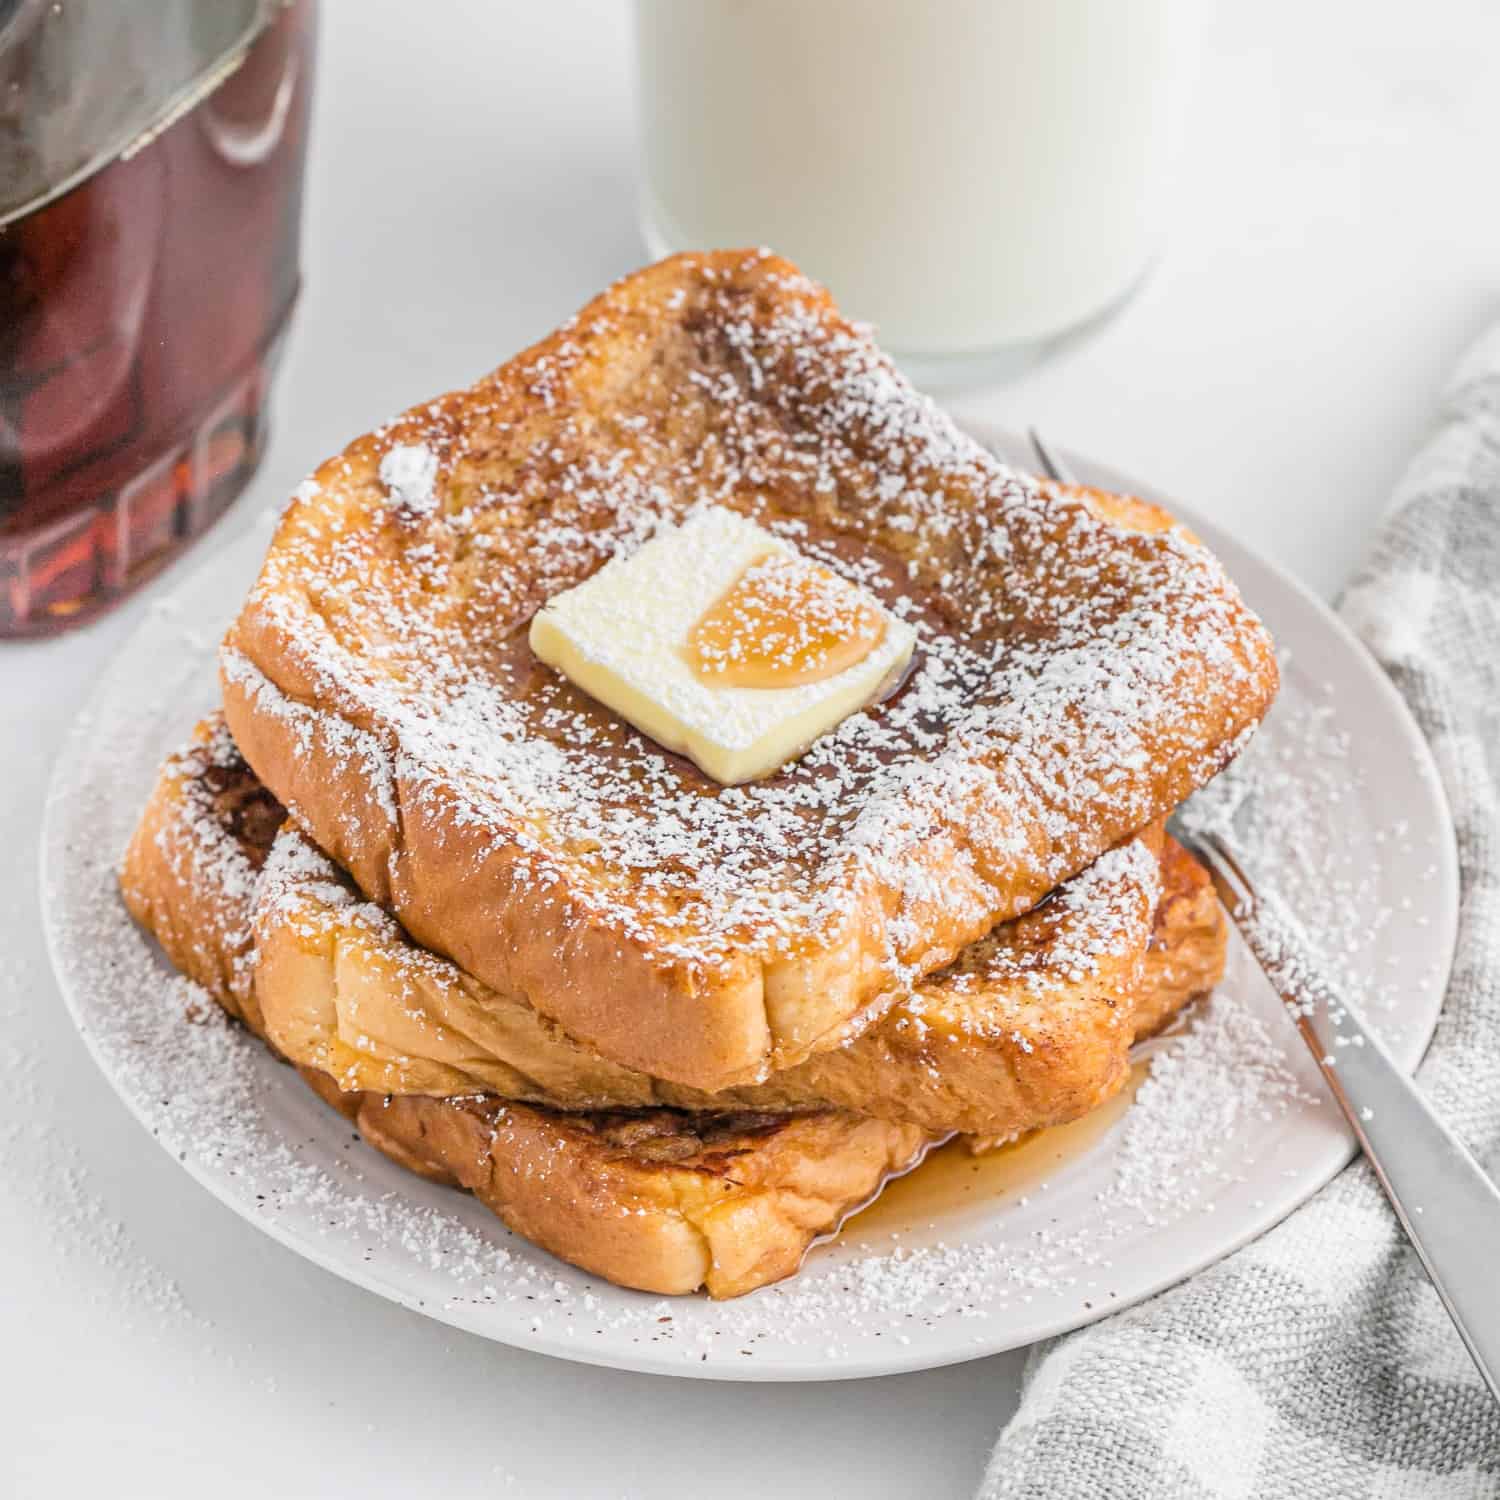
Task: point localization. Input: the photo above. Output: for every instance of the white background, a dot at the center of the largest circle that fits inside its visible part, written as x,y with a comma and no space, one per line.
471,183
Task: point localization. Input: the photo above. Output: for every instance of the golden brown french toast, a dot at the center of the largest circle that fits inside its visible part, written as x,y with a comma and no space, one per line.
1082,665
1030,1026
654,1199
1185,957
658,1199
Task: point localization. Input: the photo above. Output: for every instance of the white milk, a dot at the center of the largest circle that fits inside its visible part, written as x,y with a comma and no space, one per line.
966,174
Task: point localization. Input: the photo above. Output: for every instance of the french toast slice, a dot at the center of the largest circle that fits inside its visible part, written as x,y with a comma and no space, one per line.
1083,664
1029,1027
1185,957
658,1199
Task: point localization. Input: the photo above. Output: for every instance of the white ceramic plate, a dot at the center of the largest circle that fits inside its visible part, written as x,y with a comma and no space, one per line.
1225,1136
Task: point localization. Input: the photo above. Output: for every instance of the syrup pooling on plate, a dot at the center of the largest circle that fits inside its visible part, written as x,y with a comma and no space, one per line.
953,1179
784,622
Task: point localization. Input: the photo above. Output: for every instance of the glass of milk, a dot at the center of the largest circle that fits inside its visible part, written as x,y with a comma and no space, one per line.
972,176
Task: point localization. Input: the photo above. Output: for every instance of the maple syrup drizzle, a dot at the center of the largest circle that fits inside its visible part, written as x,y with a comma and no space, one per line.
784,622
950,1179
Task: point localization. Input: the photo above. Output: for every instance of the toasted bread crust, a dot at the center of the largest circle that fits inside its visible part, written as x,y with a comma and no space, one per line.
1186,955
653,1199
1029,1028
192,866
726,374
730,1210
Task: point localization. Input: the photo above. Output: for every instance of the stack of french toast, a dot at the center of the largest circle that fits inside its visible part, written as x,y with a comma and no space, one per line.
673,784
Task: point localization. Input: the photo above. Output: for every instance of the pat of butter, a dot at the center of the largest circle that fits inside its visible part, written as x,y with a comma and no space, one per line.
624,636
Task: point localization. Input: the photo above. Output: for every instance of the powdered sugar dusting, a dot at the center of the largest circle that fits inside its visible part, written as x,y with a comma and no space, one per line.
1069,666
1083,948
211,1094
976,1281
50,1187
409,471
1303,771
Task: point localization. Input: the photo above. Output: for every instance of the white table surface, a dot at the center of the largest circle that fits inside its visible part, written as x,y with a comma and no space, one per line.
471,183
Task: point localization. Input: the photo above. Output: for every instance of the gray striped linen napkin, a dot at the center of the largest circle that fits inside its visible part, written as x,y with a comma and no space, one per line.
1318,1362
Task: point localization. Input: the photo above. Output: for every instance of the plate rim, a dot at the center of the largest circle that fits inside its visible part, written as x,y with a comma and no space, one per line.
997,438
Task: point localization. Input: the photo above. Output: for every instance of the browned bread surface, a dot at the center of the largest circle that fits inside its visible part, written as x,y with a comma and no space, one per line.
192,867
1083,664
1186,954
1028,1027
655,1199
658,1200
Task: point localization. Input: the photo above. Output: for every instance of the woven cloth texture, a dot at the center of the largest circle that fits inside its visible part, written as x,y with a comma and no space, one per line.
1318,1361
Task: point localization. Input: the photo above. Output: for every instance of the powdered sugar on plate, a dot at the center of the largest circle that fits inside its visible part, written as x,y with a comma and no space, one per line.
1223,1138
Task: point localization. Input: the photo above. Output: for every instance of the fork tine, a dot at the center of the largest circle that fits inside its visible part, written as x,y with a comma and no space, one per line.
1052,466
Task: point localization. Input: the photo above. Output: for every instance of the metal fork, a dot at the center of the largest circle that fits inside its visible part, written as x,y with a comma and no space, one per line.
1448,1207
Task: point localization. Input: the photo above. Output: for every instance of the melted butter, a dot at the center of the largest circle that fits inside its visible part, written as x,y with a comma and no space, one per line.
784,622
952,1179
